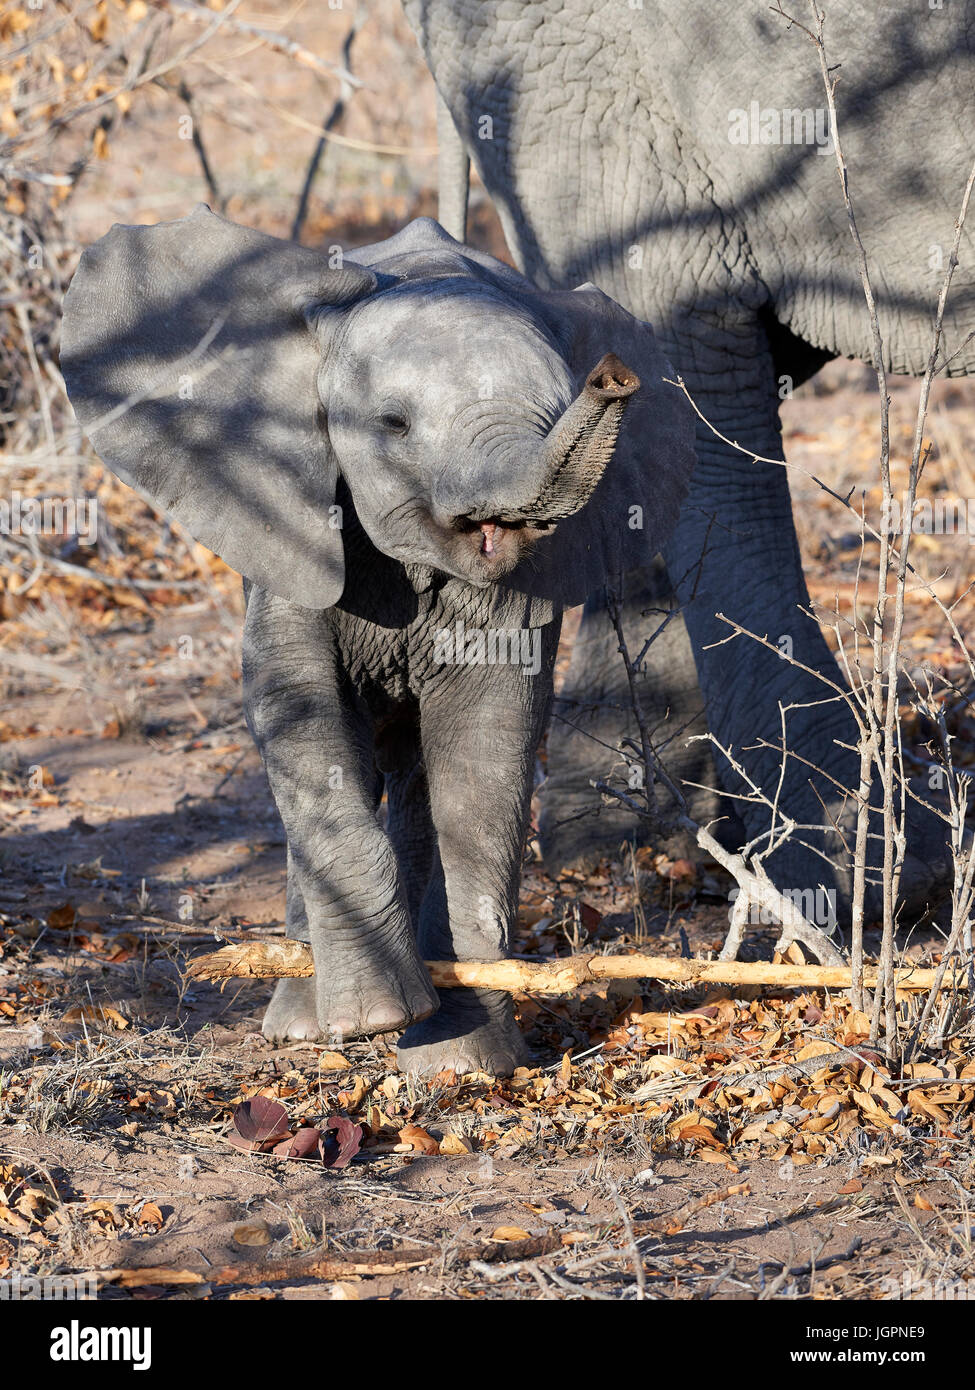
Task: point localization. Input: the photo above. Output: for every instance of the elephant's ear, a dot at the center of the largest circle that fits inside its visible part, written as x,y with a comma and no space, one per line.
191,365
635,505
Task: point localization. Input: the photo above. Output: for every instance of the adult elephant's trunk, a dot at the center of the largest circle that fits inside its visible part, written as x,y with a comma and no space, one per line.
572,457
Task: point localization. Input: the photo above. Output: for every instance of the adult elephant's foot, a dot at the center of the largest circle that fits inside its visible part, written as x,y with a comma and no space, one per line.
353,994
361,993
473,1030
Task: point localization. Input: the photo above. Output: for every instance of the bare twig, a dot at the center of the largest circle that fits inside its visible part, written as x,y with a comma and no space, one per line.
754,884
196,14
332,120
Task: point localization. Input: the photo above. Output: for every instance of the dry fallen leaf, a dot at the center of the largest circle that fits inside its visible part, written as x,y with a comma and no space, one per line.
96,1013
879,1161
419,1140
681,871
455,1144
350,1099
258,1124
13,1220
509,1233
339,1142
333,1061
819,1047
253,1233
712,1156
151,1215
304,1143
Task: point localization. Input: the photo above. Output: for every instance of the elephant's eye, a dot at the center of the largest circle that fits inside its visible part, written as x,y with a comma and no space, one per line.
394,422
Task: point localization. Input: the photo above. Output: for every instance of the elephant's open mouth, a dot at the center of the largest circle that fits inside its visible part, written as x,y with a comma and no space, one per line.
495,544
491,532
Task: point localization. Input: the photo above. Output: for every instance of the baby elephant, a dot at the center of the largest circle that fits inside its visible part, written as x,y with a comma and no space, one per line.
416,459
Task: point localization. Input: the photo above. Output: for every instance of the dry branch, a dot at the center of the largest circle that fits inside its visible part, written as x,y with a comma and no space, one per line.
281,43
755,888
673,1222
270,960
368,1263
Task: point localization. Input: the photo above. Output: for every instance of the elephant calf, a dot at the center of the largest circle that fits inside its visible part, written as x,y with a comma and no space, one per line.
416,460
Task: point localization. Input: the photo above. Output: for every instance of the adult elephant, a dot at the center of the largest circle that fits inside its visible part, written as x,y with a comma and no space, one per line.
678,156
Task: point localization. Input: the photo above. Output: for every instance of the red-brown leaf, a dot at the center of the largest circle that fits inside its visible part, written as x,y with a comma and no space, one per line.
304,1143
339,1141
259,1123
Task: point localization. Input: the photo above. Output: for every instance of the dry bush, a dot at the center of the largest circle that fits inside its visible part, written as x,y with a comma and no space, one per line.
122,110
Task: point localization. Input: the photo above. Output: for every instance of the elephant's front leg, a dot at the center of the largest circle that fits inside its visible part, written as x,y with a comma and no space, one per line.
480,728
344,889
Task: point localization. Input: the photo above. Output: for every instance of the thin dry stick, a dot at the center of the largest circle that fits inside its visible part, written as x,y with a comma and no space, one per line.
209,176
964,865
140,77
279,42
963,887
875,707
348,141
335,115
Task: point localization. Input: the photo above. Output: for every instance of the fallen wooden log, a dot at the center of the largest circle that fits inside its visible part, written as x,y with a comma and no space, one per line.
271,960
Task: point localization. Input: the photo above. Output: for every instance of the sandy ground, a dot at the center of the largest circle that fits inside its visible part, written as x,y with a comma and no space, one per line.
153,814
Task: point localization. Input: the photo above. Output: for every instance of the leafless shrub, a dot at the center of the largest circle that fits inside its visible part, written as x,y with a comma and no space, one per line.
870,655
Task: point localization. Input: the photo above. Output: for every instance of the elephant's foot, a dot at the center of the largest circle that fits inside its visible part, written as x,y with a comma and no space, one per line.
292,1015
351,995
362,997
473,1030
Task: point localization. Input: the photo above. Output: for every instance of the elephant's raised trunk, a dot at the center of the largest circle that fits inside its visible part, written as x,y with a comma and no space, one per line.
574,454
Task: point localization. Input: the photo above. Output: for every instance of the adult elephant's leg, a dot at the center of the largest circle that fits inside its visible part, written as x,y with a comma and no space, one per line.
480,727
739,516
316,744
593,712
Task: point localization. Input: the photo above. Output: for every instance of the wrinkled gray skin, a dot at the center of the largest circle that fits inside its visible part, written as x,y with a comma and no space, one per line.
414,440
601,132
